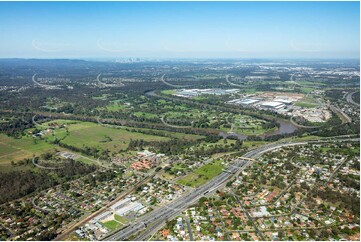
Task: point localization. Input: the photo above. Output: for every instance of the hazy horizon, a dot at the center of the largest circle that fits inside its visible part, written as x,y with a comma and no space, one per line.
176,30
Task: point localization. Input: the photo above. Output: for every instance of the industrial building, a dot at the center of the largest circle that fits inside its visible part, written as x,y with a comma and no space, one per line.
272,105
120,204
248,101
284,101
129,207
210,91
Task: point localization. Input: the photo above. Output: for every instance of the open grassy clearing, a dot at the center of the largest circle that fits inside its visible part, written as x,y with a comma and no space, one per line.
247,125
253,144
95,135
220,142
120,219
79,134
307,102
114,139
145,115
112,224
202,174
191,113
12,149
305,105
306,89
242,124
74,237
168,92
116,106
253,131
310,83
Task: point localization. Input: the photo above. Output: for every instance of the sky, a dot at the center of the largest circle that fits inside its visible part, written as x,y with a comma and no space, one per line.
180,29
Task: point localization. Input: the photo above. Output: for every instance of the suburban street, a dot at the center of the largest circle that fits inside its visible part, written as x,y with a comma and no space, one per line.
155,219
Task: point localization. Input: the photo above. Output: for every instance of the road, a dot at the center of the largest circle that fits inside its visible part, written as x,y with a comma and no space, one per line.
102,84
172,85
344,117
155,219
174,126
67,231
350,100
189,229
258,232
45,167
38,83
302,126
232,84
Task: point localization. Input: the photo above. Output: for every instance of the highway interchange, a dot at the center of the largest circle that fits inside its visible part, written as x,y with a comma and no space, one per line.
155,219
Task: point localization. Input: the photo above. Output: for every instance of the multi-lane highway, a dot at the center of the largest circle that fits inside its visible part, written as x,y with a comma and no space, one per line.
155,219
343,116
350,100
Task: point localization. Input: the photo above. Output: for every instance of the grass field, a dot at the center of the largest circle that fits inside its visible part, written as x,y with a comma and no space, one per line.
247,125
94,135
145,115
202,174
305,105
12,149
115,106
306,89
253,144
307,102
80,134
168,92
120,219
112,224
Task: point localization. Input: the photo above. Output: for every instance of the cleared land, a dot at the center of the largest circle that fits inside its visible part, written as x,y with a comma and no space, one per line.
12,149
307,102
94,135
79,134
202,174
112,225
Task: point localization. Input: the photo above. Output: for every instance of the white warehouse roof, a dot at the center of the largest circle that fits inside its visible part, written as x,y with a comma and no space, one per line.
249,101
272,104
281,100
120,204
132,206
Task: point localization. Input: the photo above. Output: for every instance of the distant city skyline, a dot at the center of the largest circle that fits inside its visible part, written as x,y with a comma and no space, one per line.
180,29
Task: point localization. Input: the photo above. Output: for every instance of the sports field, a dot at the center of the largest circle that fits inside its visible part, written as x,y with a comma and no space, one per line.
112,225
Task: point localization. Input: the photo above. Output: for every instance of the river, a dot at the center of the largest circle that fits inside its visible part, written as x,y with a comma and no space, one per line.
286,127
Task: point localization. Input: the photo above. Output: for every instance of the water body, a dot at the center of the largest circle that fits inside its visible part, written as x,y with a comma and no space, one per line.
286,127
